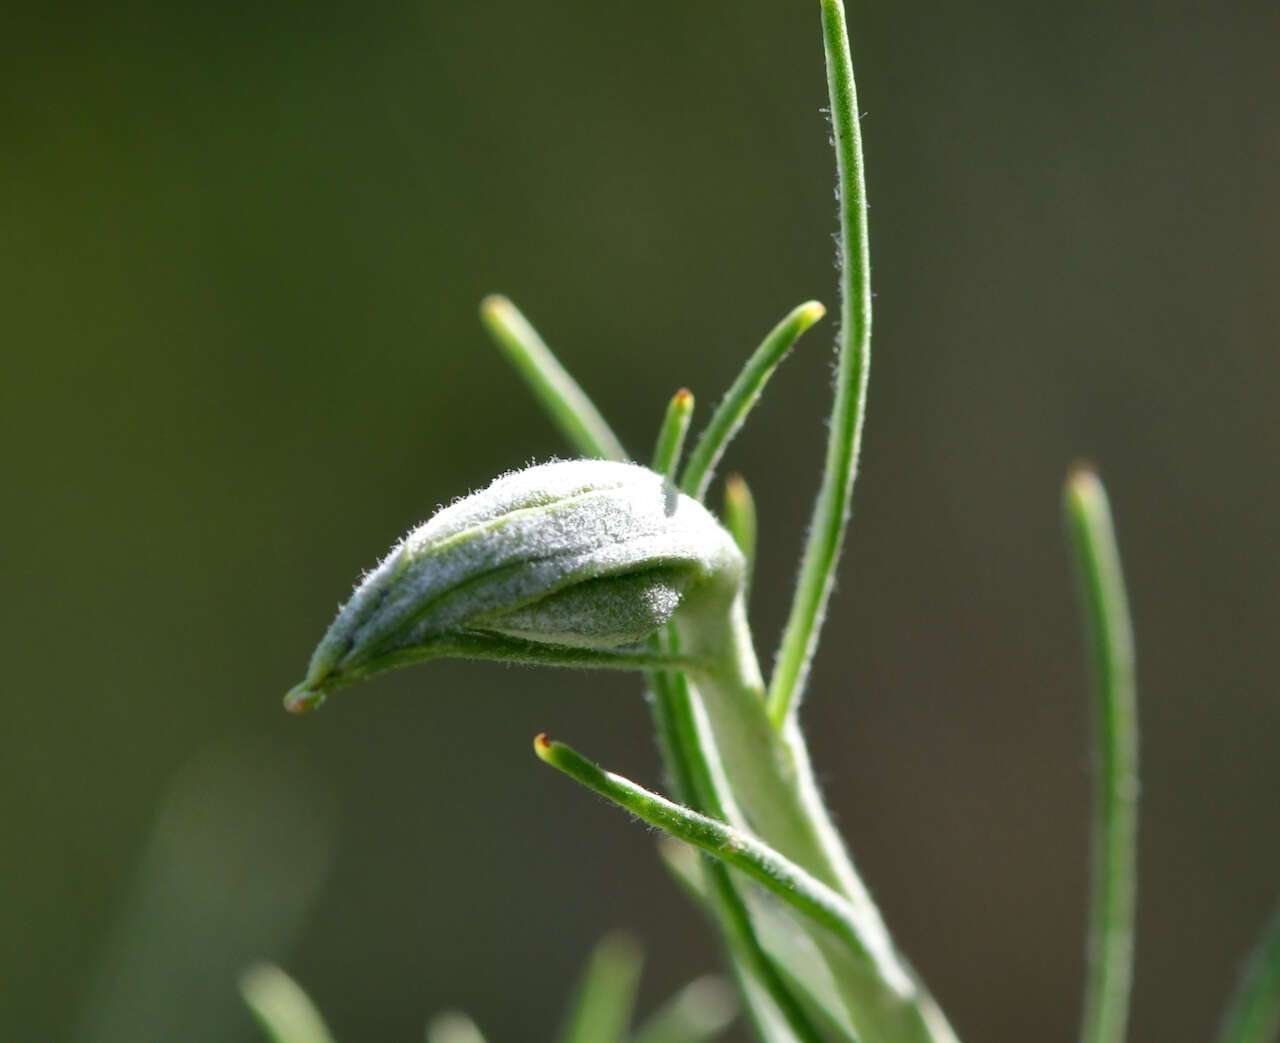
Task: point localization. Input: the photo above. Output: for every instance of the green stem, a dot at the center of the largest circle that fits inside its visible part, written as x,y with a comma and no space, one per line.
768,772
831,509
694,765
770,775
1115,823
1254,1013
742,395
564,400
883,1000
776,930
734,917
675,425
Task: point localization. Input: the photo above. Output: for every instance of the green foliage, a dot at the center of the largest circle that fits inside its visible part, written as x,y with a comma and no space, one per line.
604,563
600,1012
281,1007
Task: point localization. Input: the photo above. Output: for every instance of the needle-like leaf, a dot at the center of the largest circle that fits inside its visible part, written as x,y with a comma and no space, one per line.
798,888
1254,1013
564,400
698,1013
452,1026
606,996
675,425
740,520
693,763
794,975
1115,823
281,1007
881,997
742,395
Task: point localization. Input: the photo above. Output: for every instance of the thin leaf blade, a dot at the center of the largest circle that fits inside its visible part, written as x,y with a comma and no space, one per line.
743,395
606,996
1115,814
561,396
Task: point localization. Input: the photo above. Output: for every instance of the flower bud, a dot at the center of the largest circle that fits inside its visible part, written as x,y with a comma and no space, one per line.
582,554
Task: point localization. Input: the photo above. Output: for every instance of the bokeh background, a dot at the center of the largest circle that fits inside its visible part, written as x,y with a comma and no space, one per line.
241,251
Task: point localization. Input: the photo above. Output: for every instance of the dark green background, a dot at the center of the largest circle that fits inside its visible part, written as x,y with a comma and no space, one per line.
241,249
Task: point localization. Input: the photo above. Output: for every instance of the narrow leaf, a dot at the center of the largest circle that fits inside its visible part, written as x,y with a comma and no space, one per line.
565,402
453,1026
1115,812
740,934
742,395
675,425
844,438
794,885
281,1007
606,996
698,1013
775,967
1254,1013
740,520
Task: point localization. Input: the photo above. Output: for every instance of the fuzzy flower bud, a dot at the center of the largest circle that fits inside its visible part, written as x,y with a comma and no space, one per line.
575,555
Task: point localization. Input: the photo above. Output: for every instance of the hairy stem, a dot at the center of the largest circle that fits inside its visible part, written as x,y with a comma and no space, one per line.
770,775
831,509
694,766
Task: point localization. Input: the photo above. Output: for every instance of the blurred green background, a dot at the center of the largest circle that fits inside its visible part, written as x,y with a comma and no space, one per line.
241,251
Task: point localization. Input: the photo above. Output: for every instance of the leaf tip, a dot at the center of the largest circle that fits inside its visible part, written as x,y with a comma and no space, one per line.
1083,482
811,311
493,304
302,698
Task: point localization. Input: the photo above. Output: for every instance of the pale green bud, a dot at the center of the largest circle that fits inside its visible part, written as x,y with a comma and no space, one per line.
575,555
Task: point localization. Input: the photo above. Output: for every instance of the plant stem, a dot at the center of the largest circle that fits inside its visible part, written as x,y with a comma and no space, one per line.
771,776
882,998
735,922
1254,1013
694,765
743,393
564,400
1115,822
790,951
831,509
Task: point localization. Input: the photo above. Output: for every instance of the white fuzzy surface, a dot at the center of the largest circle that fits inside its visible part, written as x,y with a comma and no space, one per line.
583,552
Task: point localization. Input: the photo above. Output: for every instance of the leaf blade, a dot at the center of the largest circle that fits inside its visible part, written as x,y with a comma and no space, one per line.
561,396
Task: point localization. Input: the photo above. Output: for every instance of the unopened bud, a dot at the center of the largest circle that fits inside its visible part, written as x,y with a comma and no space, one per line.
577,554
